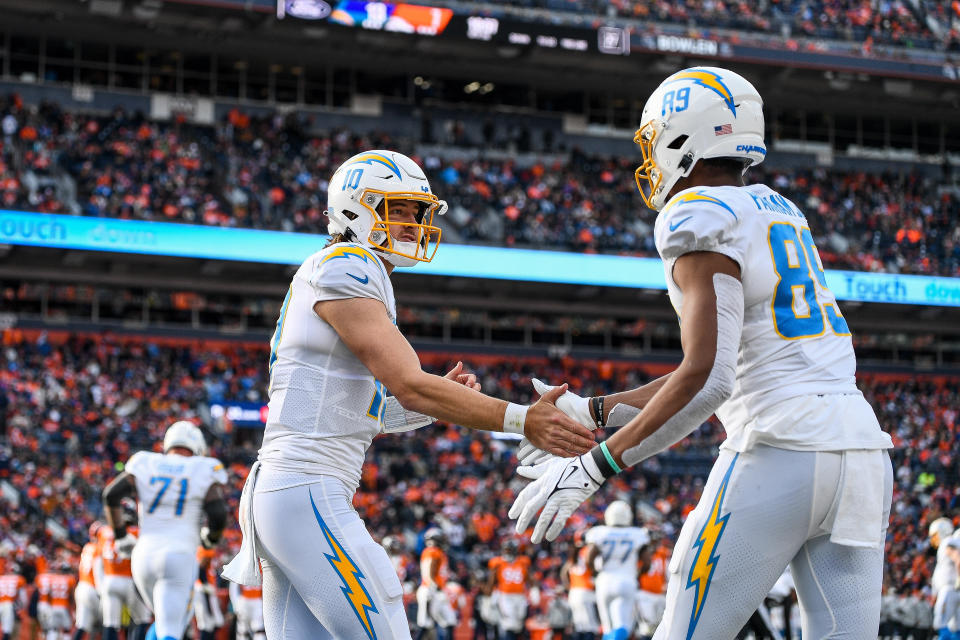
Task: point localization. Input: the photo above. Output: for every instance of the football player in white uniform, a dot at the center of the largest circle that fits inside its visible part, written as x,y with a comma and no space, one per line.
619,545
174,490
943,582
803,477
335,354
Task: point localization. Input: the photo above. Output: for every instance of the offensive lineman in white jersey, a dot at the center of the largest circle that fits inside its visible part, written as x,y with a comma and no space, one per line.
335,354
619,545
943,582
174,489
803,477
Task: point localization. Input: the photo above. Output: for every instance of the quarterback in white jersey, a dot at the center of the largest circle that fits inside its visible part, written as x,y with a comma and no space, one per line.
174,490
619,546
803,477
334,356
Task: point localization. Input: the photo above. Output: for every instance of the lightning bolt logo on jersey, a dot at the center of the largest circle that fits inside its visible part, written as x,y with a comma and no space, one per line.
351,576
705,562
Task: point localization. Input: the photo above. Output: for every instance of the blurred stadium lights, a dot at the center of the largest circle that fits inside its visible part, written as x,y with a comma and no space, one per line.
112,8
147,9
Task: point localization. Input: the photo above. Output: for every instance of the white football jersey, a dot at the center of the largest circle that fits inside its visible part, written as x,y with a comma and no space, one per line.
619,548
171,489
944,572
325,405
795,344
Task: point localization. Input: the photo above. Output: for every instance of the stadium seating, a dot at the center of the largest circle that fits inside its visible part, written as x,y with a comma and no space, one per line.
898,22
269,173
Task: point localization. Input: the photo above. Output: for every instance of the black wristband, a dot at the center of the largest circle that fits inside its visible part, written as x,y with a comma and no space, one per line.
597,403
602,463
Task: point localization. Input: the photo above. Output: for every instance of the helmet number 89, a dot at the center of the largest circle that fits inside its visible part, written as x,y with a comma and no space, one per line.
675,101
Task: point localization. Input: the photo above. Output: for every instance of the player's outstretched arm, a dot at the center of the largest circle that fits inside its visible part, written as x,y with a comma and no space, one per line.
365,327
215,507
711,324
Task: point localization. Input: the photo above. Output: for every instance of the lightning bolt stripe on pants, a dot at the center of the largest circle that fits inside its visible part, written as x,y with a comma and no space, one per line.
705,561
350,575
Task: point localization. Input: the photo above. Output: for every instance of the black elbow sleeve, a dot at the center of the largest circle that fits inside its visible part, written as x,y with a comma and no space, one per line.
216,511
115,492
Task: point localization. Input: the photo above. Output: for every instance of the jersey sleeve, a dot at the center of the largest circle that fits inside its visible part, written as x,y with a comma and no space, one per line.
593,536
641,538
137,464
218,473
348,272
494,563
701,220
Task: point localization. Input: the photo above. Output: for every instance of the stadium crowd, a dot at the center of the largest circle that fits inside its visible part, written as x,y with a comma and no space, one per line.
270,173
928,24
74,407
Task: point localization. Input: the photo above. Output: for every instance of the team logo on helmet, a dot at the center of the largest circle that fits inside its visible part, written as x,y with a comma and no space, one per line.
709,80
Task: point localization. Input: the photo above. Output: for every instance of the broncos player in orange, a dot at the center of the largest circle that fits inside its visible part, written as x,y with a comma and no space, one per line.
510,577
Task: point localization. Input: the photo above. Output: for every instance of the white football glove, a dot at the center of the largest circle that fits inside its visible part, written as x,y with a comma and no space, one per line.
559,485
571,404
205,538
124,546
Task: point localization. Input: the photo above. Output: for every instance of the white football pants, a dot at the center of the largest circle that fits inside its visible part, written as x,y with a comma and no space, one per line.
760,511
117,592
583,609
323,575
88,606
249,618
165,579
616,600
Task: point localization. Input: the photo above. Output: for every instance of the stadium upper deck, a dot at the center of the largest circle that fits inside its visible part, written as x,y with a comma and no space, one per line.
271,173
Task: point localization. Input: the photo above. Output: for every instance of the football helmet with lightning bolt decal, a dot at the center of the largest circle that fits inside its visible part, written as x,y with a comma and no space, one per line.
697,113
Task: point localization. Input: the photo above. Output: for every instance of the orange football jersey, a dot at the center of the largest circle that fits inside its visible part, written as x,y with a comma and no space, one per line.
441,576
511,576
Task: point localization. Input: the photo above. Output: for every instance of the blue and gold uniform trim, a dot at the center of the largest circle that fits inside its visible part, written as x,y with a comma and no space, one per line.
377,158
350,575
705,561
710,80
699,196
346,251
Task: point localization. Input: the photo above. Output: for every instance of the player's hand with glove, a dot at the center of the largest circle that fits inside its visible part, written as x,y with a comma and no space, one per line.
124,546
571,404
549,429
559,486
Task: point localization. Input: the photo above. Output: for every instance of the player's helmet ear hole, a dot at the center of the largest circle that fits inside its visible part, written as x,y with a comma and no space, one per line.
350,215
678,142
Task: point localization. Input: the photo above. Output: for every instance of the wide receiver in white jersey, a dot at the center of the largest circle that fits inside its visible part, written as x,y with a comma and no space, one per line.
335,354
619,545
174,490
803,477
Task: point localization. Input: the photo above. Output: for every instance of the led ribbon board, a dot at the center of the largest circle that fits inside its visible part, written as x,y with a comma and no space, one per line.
277,247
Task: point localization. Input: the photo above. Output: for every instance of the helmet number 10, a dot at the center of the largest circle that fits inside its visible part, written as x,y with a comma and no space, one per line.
675,101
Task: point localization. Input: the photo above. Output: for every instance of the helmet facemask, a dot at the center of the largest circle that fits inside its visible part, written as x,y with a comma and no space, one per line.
403,253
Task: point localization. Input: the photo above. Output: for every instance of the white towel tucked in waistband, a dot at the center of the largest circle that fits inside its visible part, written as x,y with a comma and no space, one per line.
245,567
859,516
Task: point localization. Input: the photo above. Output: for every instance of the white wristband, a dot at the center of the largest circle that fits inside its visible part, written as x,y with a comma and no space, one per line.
514,417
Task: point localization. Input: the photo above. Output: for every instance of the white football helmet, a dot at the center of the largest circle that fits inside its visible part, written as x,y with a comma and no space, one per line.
618,514
358,205
942,528
697,113
185,434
